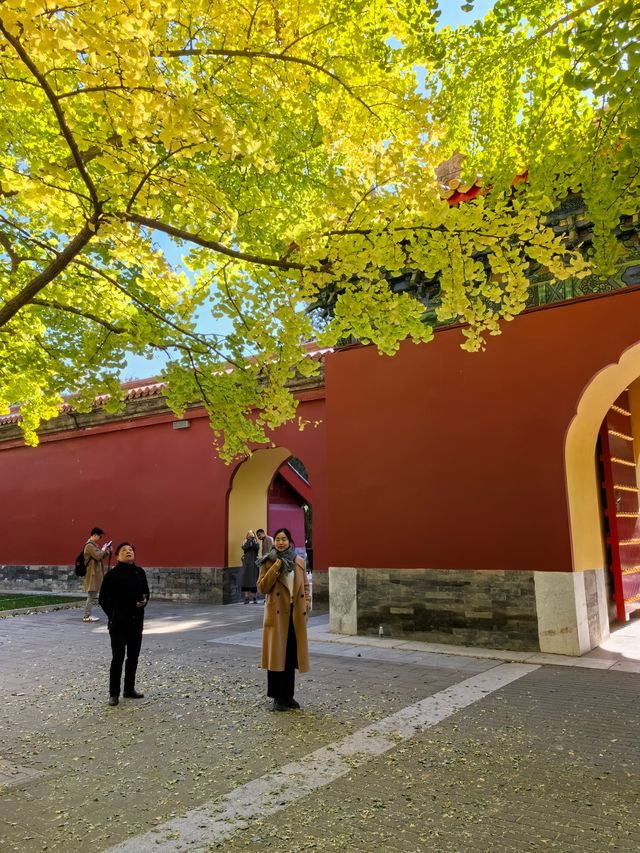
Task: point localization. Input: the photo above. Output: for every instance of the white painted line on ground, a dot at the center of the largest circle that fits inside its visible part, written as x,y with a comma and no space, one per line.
221,819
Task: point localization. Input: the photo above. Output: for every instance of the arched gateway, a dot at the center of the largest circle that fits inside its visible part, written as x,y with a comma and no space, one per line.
248,496
266,492
602,487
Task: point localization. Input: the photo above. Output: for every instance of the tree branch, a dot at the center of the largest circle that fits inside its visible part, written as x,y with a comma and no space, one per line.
59,263
75,193
87,90
571,16
308,34
233,301
5,242
436,229
196,378
155,225
57,109
85,314
155,166
281,57
157,314
360,201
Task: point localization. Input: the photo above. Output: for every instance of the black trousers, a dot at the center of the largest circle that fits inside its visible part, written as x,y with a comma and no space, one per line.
124,638
281,685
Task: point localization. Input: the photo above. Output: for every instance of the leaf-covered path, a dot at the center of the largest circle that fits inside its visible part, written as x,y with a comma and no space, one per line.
548,761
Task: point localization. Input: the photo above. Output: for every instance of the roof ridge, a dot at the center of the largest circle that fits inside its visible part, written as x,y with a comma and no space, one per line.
136,389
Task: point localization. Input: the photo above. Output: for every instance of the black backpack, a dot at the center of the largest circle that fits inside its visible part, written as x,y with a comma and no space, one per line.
81,566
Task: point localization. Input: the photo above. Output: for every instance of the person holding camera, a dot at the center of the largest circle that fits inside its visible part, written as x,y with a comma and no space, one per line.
93,559
249,572
123,597
283,582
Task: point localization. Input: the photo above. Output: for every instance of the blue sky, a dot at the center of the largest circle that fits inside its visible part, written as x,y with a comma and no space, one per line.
452,14
138,367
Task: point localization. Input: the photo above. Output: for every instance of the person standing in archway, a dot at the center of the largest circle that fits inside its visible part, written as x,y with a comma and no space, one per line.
283,582
266,542
249,573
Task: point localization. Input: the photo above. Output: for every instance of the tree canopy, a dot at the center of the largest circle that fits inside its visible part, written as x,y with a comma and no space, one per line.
288,147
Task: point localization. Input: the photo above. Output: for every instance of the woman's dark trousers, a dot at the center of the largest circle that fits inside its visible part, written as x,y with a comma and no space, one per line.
124,638
281,685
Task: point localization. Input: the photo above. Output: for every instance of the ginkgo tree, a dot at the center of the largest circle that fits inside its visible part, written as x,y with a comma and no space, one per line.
287,148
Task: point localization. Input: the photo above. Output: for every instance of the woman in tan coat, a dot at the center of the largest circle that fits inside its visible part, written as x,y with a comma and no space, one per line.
283,582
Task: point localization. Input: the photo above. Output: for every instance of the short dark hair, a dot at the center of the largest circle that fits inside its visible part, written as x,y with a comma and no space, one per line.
121,545
286,532
97,531
260,530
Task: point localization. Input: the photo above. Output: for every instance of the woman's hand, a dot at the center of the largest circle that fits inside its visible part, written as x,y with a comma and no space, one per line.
278,565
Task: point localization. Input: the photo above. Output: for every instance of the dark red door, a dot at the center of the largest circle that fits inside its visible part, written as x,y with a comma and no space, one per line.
622,505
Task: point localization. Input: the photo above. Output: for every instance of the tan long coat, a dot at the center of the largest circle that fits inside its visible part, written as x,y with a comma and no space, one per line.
93,557
277,607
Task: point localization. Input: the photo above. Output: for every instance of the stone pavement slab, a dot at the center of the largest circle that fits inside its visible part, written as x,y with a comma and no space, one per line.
549,761
620,651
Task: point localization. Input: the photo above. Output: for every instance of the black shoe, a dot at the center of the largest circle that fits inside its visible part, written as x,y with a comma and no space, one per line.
279,706
113,700
291,703
133,695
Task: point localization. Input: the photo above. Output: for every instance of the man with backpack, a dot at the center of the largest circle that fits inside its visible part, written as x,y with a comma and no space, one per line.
93,557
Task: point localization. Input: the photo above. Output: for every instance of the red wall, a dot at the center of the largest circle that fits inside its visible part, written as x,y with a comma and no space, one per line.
163,489
439,458
435,458
285,510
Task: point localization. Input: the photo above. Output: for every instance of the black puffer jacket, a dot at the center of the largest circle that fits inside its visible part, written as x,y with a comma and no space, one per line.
123,587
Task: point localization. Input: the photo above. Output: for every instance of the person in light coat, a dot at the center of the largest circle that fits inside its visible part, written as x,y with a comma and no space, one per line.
266,542
93,559
283,582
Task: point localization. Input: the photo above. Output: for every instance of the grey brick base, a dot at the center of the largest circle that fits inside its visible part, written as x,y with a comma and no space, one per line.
558,612
206,584
39,579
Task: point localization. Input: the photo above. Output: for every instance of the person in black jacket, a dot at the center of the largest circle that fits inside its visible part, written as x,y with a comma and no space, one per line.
249,572
123,597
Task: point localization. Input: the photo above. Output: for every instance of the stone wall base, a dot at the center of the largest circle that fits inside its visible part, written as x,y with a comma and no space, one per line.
572,609
555,612
320,591
206,584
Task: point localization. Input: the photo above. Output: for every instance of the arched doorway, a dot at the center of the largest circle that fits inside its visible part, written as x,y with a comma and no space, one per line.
597,412
248,497
290,503
270,489
618,444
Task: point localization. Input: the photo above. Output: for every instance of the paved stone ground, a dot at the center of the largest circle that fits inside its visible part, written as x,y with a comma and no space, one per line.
550,761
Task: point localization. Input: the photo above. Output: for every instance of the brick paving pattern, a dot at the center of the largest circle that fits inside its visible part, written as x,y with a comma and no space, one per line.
549,762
